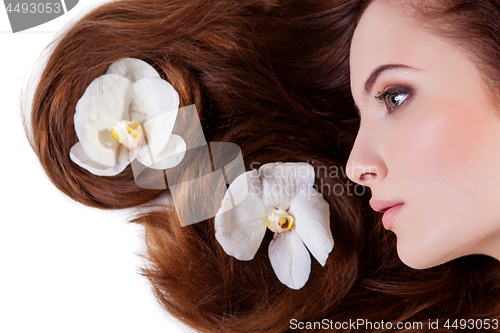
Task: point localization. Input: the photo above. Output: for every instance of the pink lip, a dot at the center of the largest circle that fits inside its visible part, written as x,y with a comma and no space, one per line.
389,215
390,209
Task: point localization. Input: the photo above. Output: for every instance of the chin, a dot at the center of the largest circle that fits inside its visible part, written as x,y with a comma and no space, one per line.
418,258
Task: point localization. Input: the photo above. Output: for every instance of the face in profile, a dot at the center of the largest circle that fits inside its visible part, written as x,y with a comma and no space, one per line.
429,139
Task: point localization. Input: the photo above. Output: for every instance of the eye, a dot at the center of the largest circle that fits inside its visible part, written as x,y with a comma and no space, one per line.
393,98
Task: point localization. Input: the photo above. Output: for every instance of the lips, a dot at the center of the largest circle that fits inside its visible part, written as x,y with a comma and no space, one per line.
382,206
389,208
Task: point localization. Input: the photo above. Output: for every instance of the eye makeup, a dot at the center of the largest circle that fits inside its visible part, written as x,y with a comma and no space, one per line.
394,98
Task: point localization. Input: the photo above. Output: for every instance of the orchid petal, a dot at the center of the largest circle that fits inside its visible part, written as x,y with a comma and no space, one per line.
159,107
154,97
105,102
240,223
290,260
282,181
132,69
312,223
171,155
77,155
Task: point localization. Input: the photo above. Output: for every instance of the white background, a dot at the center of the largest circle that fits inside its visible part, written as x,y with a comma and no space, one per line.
64,267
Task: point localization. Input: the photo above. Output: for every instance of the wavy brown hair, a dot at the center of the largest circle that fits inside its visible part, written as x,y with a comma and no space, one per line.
273,78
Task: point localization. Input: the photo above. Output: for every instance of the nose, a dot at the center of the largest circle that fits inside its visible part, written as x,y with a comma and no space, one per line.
366,164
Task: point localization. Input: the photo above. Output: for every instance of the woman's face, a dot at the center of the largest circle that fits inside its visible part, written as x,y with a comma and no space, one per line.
429,138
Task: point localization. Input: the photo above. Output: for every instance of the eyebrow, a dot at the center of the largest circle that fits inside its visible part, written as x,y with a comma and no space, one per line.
379,70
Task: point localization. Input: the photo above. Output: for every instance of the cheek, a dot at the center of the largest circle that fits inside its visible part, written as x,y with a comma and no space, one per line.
447,148
446,176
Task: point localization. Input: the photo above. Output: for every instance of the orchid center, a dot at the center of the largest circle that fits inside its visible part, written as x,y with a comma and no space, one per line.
280,221
128,133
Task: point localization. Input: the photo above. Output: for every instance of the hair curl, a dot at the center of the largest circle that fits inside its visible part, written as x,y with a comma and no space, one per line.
273,78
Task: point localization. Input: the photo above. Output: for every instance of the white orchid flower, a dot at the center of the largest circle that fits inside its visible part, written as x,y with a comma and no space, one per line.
128,113
279,197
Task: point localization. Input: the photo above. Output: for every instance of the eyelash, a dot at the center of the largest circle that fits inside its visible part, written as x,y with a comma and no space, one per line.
382,96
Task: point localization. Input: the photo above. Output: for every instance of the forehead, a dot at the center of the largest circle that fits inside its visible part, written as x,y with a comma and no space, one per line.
387,34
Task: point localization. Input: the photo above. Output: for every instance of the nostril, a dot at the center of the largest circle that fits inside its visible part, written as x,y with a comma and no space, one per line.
365,176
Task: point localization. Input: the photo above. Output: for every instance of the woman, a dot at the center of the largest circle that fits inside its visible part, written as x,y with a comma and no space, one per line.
428,144
251,69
